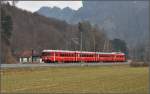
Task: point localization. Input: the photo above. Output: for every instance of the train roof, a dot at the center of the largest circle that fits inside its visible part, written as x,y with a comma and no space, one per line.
67,51
57,51
83,52
110,53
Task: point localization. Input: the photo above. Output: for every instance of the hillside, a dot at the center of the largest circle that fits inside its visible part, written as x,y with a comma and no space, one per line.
33,31
120,19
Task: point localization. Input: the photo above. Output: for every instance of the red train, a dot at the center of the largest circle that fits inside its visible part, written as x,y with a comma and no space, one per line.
50,56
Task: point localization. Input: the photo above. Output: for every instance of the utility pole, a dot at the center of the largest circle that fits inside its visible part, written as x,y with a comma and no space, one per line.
104,46
81,41
93,40
107,44
94,43
76,42
94,46
80,30
81,45
32,56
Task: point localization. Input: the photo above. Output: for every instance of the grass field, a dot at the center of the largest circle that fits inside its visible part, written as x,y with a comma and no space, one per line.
100,79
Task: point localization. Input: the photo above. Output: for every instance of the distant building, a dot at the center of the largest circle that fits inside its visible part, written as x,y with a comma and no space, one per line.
28,56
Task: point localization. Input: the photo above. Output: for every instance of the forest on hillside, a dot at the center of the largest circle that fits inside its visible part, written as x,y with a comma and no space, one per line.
31,31
23,30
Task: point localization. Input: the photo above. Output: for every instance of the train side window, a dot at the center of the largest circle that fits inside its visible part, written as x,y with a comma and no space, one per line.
82,55
87,55
57,54
72,55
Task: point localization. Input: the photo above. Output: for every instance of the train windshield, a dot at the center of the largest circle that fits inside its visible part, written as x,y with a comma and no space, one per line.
45,54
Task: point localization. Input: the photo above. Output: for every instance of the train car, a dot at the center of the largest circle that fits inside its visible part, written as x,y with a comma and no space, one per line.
58,56
87,56
51,56
111,57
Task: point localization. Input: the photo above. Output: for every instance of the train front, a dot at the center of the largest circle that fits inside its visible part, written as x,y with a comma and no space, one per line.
46,56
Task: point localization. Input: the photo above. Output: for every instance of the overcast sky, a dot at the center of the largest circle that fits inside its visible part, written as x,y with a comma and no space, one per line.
35,5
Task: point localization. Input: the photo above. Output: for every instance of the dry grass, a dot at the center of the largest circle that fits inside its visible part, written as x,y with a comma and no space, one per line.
104,79
139,64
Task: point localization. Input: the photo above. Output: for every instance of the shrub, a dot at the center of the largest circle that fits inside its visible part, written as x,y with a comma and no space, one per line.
138,64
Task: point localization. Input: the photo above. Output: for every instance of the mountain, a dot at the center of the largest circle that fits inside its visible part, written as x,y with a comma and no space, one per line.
55,12
127,20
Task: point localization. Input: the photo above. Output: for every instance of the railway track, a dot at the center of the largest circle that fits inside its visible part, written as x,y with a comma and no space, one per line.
60,65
